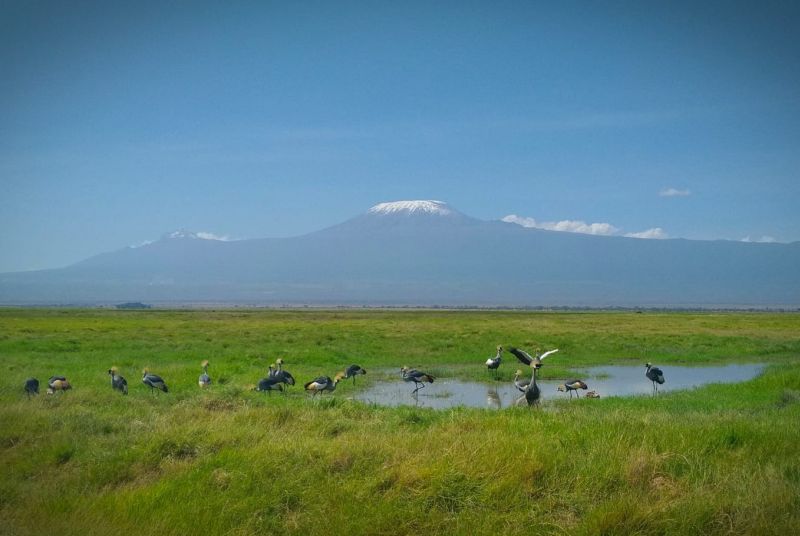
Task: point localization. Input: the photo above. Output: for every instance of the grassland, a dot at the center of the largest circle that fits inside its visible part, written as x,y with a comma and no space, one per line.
719,460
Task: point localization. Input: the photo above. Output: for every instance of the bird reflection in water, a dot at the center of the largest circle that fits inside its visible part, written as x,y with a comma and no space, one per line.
493,399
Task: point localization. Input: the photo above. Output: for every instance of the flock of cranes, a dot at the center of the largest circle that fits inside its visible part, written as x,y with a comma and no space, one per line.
278,378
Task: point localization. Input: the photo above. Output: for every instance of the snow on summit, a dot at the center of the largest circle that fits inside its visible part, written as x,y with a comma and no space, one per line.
412,207
200,235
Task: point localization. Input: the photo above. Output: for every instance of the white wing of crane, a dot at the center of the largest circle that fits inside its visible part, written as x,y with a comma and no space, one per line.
541,357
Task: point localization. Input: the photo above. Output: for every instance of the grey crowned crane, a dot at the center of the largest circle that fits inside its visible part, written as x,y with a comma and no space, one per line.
493,363
655,375
269,385
154,382
283,376
31,387
592,394
572,385
352,371
526,359
118,383
276,368
323,383
57,383
279,375
204,380
532,392
520,383
419,378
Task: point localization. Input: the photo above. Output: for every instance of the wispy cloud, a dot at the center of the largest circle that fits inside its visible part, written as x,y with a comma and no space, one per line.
765,239
655,233
569,226
580,226
674,192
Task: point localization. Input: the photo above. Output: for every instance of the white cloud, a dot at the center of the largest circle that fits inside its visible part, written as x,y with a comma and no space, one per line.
580,226
674,192
763,239
656,233
569,226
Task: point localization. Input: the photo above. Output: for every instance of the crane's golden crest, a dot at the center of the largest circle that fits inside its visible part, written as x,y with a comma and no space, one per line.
204,363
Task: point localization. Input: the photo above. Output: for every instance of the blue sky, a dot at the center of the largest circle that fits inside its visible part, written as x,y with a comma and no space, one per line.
121,122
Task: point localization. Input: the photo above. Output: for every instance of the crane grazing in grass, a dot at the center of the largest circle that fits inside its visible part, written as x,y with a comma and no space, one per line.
118,383
572,385
154,382
419,378
57,383
31,387
352,371
204,380
520,383
277,373
493,363
283,376
269,385
323,383
655,375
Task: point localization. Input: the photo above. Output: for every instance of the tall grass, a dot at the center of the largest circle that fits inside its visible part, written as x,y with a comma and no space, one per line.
718,460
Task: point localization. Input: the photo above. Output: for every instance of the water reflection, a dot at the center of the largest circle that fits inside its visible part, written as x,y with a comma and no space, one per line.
493,399
605,381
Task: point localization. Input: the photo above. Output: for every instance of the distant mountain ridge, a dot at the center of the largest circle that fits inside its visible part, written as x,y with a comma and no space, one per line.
424,253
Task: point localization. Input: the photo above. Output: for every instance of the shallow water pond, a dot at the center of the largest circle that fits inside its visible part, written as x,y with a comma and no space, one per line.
606,381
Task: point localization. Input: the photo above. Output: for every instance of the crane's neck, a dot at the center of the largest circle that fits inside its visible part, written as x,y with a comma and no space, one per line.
533,379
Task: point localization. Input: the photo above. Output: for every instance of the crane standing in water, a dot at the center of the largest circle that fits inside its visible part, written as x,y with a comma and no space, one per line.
419,378
532,392
572,385
655,375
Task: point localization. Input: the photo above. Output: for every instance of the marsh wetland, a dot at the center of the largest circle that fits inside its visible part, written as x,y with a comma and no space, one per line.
715,452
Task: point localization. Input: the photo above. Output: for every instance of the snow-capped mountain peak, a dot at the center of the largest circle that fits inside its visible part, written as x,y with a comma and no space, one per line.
191,235
427,206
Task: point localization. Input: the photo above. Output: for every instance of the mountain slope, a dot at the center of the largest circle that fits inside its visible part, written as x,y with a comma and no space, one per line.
425,252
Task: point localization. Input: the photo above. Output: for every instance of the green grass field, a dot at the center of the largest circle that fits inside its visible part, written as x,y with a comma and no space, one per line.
721,460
